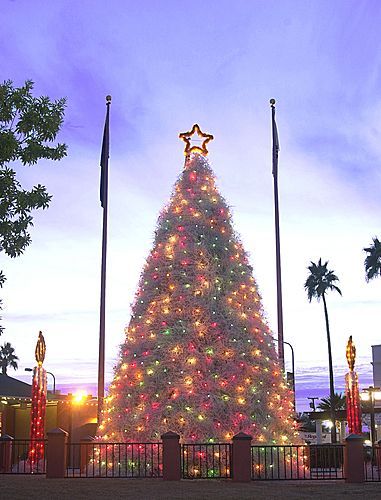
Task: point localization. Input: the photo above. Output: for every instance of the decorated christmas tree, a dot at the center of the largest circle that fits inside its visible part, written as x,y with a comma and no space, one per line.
198,357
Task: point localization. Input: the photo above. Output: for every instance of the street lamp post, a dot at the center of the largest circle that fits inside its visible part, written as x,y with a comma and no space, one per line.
293,368
54,382
50,373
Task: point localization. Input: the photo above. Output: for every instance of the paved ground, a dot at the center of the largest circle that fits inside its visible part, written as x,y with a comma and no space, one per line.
26,487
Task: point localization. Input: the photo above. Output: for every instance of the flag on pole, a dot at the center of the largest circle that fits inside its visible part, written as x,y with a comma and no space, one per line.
275,140
102,309
105,156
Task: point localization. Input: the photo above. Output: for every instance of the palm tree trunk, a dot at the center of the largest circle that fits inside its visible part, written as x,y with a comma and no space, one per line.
331,383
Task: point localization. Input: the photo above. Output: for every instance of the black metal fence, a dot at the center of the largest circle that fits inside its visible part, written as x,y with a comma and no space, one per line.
206,460
15,455
198,460
372,464
297,462
97,459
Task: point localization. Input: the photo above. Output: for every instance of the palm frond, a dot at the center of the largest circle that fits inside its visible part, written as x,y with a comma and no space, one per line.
320,280
372,261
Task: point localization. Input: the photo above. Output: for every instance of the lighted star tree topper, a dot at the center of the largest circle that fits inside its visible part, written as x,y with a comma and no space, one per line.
198,357
39,390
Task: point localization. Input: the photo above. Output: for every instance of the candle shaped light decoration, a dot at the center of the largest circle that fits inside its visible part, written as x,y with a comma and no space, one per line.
38,408
352,391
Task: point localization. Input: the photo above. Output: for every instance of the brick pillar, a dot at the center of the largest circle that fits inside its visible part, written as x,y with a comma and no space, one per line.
87,452
56,453
6,443
171,456
354,459
241,457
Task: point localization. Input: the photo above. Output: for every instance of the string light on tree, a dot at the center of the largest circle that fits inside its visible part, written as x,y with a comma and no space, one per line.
198,358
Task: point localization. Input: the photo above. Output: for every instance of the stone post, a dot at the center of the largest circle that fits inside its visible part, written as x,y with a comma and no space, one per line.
354,459
56,453
378,454
319,432
342,431
241,457
86,453
6,443
171,456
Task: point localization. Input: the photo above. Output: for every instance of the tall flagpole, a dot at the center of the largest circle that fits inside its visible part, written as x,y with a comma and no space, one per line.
104,203
277,237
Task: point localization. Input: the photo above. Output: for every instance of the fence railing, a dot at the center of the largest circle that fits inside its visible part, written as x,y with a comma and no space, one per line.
297,462
206,460
97,459
189,461
372,464
17,459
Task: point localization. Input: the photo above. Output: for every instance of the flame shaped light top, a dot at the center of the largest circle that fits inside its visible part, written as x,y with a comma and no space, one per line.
195,134
351,354
40,349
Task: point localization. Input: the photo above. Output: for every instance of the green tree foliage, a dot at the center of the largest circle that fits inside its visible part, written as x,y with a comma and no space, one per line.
339,402
28,128
372,261
318,283
8,358
305,424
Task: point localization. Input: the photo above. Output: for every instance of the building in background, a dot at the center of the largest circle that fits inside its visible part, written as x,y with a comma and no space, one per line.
76,415
376,356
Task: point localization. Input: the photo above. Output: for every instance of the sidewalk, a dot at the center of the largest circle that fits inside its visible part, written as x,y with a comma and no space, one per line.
38,487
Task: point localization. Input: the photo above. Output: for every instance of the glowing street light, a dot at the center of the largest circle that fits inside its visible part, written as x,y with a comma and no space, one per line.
328,424
79,397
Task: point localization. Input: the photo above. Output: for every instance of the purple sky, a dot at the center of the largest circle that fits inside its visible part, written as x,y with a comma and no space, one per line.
168,65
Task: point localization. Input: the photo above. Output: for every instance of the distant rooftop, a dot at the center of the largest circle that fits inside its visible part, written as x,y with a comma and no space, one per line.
11,387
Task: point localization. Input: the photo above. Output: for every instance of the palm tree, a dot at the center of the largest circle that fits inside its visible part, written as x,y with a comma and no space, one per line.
339,402
7,358
318,283
372,261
